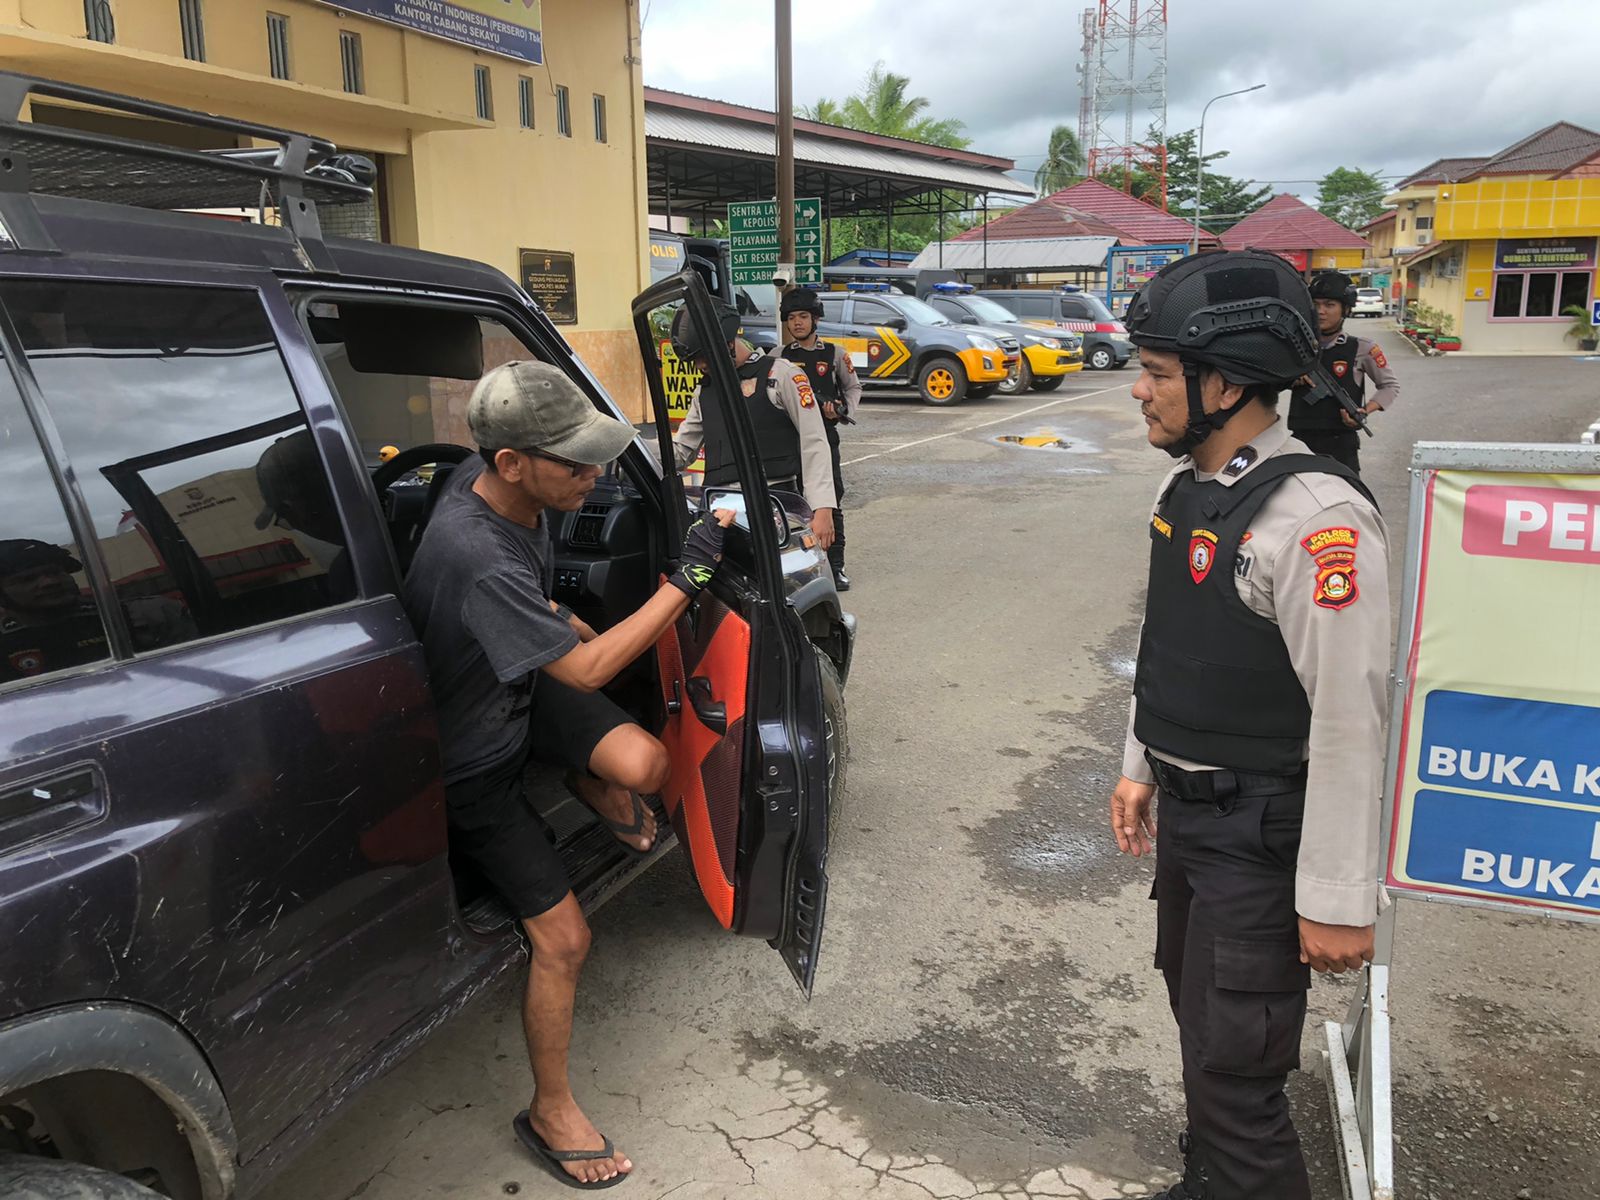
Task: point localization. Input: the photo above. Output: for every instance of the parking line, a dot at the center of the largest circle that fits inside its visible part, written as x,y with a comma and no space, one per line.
1016,416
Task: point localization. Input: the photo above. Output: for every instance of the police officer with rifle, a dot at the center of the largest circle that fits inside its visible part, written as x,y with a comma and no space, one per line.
833,376
1258,707
790,436
1326,414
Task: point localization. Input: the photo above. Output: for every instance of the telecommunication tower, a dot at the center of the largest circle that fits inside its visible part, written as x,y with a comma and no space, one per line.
1086,73
1128,68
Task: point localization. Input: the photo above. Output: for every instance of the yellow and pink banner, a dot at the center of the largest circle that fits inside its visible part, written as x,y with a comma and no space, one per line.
1496,791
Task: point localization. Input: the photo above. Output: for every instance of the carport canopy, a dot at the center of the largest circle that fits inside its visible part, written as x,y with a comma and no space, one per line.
702,154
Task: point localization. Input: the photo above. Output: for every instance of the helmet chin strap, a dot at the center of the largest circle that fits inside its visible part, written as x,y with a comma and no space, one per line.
1201,423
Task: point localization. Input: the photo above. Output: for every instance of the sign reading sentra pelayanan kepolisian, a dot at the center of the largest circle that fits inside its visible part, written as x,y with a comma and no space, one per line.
509,27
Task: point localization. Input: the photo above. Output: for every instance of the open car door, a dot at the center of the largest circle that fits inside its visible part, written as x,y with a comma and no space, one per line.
740,687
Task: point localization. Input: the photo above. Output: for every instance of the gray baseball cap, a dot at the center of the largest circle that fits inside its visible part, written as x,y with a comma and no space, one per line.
534,406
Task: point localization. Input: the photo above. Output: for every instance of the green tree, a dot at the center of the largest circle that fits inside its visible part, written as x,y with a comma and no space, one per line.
824,110
884,104
1350,196
1225,201
1063,162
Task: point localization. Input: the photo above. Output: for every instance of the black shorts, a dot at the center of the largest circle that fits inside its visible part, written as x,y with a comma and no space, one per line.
495,831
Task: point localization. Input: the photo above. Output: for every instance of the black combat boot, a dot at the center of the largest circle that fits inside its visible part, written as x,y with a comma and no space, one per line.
1193,1186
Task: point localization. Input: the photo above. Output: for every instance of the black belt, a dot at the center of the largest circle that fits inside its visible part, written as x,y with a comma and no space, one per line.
788,482
1215,787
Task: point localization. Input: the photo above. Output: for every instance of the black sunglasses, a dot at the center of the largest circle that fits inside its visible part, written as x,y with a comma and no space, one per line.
577,468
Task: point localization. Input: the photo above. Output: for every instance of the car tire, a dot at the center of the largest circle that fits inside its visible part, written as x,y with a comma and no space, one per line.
1048,385
27,1177
942,382
1101,358
837,736
1015,385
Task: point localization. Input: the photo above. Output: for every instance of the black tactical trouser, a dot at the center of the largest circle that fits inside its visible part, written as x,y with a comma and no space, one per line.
1343,446
1227,940
836,551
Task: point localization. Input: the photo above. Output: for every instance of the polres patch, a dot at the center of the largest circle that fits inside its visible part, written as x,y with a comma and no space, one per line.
1202,553
808,398
1378,360
1333,537
1336,584
1341,368
822,369
27,662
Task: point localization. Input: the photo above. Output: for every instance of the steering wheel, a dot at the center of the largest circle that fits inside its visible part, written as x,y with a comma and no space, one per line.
417,456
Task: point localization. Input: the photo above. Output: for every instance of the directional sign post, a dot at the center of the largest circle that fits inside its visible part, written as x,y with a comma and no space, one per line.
753,241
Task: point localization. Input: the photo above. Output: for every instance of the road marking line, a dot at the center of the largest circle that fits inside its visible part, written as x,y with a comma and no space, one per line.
1027,412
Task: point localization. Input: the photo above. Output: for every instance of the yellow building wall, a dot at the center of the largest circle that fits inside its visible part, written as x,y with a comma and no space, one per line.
454,184
1502,207
1337,260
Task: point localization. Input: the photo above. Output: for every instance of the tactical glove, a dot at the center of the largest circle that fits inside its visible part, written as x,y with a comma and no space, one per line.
702,551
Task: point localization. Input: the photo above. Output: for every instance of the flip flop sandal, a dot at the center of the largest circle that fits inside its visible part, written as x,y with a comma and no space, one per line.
551,1160
636,826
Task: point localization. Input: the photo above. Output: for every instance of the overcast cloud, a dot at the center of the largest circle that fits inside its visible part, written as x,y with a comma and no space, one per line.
1382,86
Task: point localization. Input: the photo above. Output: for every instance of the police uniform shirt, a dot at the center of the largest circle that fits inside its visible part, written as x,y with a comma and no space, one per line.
1315,562
1371,367
844,375
791,392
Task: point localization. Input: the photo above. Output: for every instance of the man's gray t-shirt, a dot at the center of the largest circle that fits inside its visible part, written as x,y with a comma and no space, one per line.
477,593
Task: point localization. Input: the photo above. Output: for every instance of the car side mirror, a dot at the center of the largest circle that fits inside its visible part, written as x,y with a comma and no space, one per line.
895,323
729,498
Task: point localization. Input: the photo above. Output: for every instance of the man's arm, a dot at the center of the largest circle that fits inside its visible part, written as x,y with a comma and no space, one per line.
795,396
844,370
690,436
1330,584
1374,366
591,665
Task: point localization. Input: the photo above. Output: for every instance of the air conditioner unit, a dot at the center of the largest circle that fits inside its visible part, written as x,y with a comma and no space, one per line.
1423,238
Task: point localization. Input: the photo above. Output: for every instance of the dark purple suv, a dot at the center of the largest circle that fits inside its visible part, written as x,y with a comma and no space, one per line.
224,877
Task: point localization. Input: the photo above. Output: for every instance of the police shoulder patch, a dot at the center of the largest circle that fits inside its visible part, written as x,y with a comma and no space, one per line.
1336,583
1333,537
1377,356
808,398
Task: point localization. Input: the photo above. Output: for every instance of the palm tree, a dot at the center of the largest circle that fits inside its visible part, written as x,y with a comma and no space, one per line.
1063,162
883,106
824,110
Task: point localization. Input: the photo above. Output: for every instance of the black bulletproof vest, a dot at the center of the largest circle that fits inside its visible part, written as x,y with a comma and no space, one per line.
1214,683
819,368
1340,360
777,440
29,650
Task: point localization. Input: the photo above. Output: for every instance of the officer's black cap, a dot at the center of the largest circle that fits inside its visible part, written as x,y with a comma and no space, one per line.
686,337
1333,285
24,554
800,300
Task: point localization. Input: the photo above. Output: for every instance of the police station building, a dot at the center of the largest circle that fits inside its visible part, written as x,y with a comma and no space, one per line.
509,131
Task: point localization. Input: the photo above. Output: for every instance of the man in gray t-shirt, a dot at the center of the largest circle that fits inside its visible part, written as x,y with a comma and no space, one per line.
515,676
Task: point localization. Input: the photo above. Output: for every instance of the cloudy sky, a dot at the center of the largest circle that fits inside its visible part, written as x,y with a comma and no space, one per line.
1383,86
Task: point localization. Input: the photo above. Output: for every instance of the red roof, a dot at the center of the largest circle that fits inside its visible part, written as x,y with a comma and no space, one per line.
1287,223
1091,208
1388,214
1550,151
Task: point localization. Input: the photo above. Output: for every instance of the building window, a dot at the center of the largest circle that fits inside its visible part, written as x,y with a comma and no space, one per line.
563,111
278,45
98,22
525,101
1539,295
485,92
194,29
1402,224
599,118
1424,223
350,57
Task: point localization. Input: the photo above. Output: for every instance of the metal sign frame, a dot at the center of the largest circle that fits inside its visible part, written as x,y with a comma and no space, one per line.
1114,252
1358,1058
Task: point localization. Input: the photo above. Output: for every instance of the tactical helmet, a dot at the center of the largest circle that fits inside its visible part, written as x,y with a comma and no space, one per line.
800,300
24,554
1334,285
1245,313
686,341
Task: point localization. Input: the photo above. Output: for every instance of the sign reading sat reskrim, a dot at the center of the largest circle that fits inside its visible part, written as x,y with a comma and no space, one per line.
509,27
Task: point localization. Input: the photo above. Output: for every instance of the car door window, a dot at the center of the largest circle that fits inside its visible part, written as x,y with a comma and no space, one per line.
1033,308
872,312
833,306
48,618
949,308
1075,310
207,493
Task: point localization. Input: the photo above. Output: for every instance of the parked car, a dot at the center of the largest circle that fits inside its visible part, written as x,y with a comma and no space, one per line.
224,873
1105,340
1048,356
1369,303
895,340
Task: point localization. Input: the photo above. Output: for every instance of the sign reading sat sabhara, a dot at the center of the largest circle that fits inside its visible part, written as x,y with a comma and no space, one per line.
509,27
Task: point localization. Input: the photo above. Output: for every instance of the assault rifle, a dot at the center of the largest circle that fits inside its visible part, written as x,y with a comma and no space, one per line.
1323,386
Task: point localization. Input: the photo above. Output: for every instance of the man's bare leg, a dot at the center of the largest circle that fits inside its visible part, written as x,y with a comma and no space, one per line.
560,942
625,761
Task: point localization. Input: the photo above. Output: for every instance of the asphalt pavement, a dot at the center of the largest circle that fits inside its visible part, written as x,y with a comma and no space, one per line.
986,1020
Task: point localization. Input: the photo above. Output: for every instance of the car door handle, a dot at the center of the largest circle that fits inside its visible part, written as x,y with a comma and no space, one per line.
713,713
49,806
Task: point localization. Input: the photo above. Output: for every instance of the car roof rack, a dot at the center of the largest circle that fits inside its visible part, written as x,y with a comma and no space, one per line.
293,175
